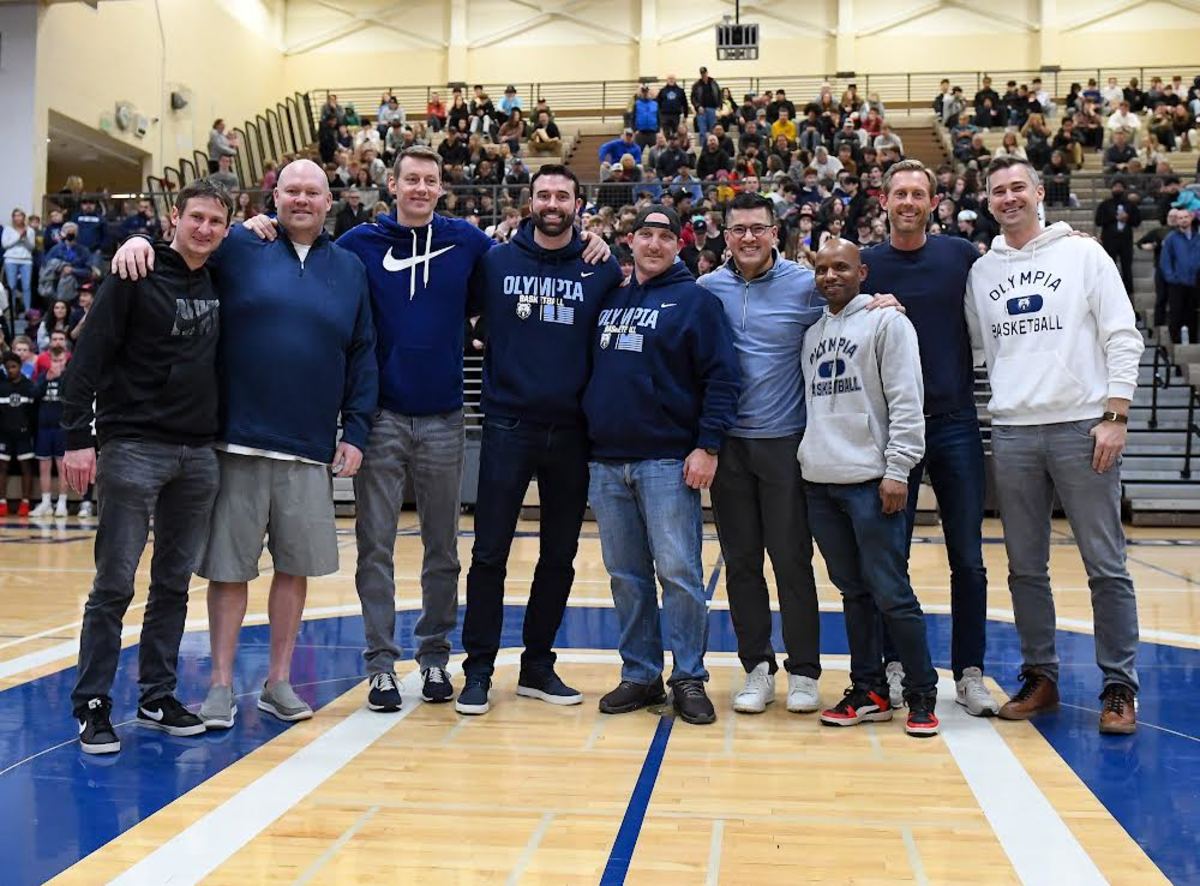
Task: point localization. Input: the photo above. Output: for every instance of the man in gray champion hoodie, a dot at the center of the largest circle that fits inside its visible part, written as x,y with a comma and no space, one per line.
866,431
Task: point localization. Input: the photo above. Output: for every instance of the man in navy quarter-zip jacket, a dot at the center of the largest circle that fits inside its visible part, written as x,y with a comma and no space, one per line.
307,300
540,300
758,496
662,395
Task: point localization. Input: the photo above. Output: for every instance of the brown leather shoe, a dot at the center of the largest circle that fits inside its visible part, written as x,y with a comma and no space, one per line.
1118,716
1039,693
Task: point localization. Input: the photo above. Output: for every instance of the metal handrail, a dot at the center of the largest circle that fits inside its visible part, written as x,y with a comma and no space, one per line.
244,147
1191,429
201,160
1157,381
184,165
285,119
266,149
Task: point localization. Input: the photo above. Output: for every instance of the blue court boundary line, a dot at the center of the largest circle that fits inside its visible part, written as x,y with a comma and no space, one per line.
635,813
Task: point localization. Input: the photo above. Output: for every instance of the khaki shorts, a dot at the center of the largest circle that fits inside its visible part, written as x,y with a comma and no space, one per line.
290,502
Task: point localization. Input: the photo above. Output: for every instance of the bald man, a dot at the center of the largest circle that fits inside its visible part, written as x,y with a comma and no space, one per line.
866,432
297,350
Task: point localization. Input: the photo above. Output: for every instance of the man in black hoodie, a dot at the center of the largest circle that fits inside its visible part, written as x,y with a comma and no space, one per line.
147,357
664,390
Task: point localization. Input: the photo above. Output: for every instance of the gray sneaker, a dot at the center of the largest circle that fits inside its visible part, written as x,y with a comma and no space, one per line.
219,709
280,700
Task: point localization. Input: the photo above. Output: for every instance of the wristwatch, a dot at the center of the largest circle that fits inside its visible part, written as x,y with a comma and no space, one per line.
711,452
1115,416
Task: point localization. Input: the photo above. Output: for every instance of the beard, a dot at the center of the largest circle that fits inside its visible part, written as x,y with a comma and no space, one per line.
552,227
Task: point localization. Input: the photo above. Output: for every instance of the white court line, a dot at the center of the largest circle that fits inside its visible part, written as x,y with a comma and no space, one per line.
315,868
713,877
535,840
1037,841
914,857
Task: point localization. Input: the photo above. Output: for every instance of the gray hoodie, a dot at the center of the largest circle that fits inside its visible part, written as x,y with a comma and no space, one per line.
863,387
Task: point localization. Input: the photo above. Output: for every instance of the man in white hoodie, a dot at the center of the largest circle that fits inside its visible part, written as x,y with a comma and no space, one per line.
1051,315
866,432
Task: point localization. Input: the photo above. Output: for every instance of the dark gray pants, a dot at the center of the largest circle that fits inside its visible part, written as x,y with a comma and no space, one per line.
137,480
758,501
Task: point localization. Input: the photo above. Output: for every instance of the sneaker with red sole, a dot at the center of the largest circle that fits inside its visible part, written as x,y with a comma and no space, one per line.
859,705
3,508
23,508
922,721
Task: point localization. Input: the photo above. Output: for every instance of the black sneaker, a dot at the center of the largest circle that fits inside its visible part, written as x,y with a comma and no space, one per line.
170,716
691,702
473,700
922,721
547,686
630,696
384,695
859,705
96,733
435,685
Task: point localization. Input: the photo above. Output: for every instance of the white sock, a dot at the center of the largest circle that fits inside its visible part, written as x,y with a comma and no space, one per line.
62,498
46,498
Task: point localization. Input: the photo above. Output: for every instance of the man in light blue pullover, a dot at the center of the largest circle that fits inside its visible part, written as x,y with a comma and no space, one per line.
758,498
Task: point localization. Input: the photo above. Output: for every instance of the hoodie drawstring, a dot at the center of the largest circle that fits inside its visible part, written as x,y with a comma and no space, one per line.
428,250
412,275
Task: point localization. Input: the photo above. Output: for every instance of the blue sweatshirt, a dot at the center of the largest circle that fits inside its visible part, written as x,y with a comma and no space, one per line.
296,345
612,151
419,285
665,376
1180,259
539,307
931,283
769,316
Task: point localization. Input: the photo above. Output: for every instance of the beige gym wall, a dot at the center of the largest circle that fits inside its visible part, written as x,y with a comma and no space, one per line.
225,52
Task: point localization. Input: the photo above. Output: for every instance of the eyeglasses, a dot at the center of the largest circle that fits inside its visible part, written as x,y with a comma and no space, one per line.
740,231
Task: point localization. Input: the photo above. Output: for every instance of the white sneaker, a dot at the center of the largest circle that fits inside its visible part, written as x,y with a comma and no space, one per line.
895,681
757,692
85,509
61,509
45,509
803,696
972,694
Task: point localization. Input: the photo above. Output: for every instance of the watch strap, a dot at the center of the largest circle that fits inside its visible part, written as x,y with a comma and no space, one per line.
1115,416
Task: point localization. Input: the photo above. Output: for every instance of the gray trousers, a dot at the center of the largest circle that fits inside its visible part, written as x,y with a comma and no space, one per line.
137,480
429,449
759,505
1032,463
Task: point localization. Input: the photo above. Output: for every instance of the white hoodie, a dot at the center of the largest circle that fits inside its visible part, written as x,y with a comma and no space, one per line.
1056,327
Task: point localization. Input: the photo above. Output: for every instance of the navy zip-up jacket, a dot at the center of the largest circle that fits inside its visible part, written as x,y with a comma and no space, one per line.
419,285
665,377
297,345
539,308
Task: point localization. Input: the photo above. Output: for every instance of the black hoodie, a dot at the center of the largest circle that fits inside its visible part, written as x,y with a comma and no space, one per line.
148,356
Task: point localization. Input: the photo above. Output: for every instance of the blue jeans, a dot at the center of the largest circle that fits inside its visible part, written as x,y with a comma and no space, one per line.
954,460
19,273
512,454
706,120
866,554
650,522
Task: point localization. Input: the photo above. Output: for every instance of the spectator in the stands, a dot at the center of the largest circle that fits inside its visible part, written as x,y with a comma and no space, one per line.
1116,217
453,150
1066,141
344,139
1092,94
1119,153
435,113
612,151
826,167
369,192
225,176
459,113
1180,266
669,161
351,214
953,106
510,102
331,110
1150,153
1161,125
546,138
1123,119
144,222
785,126
727,110
18,242
706,98
56,320
1037,139
780,101
645,117
1010,147
1113,95
724,140
220,144
1056,178
512,131
483,112
89,219
672,105
77,260
712,159
327,143
985,93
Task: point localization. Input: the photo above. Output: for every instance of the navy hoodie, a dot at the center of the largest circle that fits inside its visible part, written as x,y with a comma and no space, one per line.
419,284
296,345
539,308
665,377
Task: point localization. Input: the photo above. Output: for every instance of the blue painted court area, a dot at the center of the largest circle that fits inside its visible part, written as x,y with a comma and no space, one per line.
65,804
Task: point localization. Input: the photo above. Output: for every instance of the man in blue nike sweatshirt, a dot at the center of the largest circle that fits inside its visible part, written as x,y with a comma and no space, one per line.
296,351
663,392
540,302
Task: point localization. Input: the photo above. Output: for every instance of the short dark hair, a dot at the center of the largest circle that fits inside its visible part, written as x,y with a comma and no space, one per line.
205,188
746,200
418,152
1008,161
556,169
10,357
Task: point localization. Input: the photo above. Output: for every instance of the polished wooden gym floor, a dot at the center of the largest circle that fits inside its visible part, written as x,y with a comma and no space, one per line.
533,793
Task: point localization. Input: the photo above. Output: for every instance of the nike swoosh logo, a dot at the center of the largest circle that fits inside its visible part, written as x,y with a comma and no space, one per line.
586,273
153,715
399,264
668,304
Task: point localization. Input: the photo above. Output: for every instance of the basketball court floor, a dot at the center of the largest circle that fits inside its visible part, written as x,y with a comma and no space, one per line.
538,794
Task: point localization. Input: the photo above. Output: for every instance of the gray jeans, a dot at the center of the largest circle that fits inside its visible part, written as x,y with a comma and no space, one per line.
429,448
1032,463
137,480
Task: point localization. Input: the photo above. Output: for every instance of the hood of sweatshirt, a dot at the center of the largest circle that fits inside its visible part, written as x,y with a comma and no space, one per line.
1049,235
524,241
677,273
